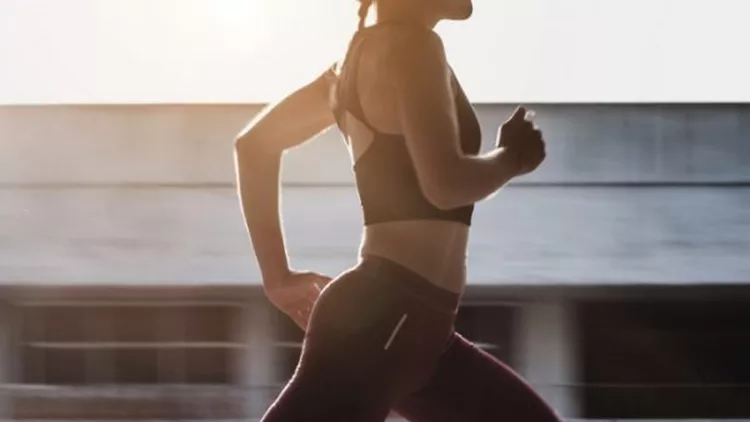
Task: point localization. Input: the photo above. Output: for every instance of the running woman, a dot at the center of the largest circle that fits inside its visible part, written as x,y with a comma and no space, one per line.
380,336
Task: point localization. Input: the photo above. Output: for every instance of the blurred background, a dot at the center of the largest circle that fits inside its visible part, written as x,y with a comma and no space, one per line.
615,279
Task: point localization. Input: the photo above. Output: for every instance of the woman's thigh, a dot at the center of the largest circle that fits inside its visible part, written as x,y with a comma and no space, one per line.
470,385
368,345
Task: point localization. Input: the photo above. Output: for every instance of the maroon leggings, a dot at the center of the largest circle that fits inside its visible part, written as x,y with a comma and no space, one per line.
381,338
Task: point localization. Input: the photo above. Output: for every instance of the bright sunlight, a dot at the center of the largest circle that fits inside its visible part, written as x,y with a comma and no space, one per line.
229,51
244,23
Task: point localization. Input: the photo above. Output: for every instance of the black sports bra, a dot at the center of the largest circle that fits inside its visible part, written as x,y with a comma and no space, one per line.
385,174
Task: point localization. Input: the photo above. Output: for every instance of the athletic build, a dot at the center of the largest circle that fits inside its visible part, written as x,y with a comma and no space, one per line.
380,336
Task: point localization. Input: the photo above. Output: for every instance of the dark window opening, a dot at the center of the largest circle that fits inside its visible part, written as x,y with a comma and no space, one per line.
128,344
665,360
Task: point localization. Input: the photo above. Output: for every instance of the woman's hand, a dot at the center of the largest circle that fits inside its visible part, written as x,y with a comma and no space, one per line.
523,141
296,293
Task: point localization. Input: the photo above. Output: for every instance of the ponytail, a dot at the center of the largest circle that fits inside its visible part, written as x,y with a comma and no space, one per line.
364,9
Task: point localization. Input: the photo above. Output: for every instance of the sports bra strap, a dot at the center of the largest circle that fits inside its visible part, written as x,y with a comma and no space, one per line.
348,98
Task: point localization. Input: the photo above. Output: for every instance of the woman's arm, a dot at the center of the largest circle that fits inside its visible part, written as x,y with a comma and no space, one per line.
258,151
428,120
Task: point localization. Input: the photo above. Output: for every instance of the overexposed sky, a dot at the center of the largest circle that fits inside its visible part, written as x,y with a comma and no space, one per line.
236,51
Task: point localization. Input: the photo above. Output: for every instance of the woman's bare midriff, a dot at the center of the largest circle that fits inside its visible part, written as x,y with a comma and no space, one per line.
434,249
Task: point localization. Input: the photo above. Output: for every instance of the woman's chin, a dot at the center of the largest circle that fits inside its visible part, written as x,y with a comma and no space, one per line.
462,13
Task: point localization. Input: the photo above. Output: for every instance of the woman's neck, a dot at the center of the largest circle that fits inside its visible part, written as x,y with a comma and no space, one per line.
404,14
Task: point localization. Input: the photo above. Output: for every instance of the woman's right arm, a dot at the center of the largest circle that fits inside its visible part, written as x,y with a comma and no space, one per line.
258,151
426,104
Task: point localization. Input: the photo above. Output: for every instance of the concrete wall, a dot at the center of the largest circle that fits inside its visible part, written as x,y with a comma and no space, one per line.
62,234
94,145
193,144
524,236
640,143
56,228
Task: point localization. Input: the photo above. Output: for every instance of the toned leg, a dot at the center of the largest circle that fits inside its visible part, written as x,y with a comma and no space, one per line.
470,385
369,344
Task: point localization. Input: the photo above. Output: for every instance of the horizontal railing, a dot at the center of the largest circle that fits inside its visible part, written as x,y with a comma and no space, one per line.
217,403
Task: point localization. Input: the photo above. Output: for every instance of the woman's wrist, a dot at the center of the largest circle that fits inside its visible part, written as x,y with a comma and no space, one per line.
508,163
275,273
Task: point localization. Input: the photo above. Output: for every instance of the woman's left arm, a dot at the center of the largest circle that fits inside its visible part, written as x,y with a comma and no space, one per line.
258,150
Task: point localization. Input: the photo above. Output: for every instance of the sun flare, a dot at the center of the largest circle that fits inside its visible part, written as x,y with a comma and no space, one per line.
246,21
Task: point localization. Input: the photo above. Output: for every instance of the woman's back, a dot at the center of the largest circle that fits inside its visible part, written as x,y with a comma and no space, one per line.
401,224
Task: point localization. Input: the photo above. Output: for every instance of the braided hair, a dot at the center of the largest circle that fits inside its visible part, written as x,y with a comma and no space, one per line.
364,9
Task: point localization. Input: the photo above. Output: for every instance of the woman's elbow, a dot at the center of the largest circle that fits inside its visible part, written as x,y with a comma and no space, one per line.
243,144
250,148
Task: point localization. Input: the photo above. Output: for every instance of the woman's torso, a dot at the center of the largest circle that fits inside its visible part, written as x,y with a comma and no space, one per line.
400,224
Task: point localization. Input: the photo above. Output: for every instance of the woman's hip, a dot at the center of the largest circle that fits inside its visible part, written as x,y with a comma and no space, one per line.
382,323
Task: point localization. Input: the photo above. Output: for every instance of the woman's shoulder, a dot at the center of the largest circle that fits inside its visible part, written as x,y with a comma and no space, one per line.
395,50
389,57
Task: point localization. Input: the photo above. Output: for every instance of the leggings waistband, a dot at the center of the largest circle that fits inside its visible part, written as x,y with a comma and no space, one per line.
409,281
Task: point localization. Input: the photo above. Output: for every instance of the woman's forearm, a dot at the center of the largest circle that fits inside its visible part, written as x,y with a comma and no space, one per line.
481,177
470,179
258,149
258,179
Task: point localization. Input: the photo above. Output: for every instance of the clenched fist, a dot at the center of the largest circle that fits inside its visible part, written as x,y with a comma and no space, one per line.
523,140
